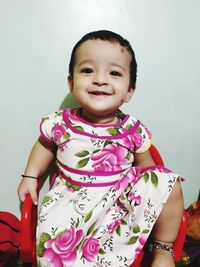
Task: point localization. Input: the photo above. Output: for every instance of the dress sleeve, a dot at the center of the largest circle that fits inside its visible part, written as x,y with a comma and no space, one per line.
48,145
46,137
46,126
142,139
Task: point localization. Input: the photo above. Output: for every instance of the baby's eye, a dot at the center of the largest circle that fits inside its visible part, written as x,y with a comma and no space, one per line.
115,73
87,70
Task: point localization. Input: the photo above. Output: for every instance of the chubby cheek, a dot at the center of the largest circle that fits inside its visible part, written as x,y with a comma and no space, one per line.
80,84
79,92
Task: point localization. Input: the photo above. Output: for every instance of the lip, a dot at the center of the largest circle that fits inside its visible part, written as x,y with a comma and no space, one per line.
99,93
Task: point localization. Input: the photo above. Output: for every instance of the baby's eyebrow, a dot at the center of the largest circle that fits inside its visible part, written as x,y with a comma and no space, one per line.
87,61
118,66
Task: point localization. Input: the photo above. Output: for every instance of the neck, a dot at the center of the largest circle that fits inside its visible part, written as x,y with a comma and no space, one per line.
108,119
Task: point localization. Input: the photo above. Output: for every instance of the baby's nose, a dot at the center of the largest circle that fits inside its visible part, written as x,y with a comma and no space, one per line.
100,78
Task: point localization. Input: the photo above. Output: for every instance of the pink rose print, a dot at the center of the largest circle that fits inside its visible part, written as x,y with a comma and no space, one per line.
148,133
134,175
142,239
91,249
113,226
72,115
127,140
75,114
133,140
137,138
62,250
132,196
58,131
121,184
161,169
110,158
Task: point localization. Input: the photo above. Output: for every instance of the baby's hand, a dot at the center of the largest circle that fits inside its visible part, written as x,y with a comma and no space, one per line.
28,186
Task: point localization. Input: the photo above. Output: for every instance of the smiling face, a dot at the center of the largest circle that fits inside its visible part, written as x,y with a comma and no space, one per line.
101,79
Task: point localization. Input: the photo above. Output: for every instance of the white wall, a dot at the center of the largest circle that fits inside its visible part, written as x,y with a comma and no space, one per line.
35,44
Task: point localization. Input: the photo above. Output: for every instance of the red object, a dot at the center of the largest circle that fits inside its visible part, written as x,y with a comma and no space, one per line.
29,220
156,156
9,239
28,231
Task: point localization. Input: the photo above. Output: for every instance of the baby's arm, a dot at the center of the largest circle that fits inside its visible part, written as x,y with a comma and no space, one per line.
38,162
143,159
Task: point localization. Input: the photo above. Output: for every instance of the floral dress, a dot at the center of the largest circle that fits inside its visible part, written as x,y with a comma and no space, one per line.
100,209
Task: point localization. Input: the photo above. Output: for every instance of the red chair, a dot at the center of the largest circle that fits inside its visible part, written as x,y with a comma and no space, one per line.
9,239
28,232
29,219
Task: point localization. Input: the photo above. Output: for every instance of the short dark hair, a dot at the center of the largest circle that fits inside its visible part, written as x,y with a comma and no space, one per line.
111,37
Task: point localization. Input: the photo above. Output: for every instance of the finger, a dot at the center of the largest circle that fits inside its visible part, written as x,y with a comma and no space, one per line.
22,196
34,197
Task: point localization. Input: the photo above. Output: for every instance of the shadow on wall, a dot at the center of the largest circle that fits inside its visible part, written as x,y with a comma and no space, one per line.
69,102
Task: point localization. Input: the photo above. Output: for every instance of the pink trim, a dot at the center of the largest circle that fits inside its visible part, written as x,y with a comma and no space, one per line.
86,184
82,172
161,169
43,135
155,167
53,179
119,136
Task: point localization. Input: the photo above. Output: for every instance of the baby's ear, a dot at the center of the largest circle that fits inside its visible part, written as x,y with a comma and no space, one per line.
70,83
129,94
